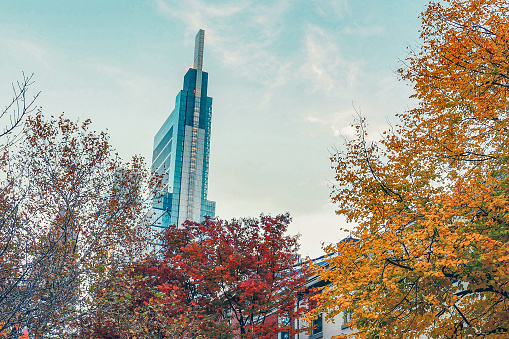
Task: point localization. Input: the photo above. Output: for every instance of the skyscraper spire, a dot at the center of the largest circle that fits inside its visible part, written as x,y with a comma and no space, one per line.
198,50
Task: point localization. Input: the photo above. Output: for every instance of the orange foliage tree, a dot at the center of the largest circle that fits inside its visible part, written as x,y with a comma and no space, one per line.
70,211
431,198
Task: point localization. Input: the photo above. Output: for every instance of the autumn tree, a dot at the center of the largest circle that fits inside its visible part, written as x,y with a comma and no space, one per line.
431,198
215,279
11,117
142,300
70,210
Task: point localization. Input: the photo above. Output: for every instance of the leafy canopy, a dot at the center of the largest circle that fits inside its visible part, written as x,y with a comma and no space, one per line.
215,279
431,198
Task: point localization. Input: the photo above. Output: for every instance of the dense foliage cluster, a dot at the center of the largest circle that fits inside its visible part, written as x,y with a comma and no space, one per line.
68,208
431,198
215,279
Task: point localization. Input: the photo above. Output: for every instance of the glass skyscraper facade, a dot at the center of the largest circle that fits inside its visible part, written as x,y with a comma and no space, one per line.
181,151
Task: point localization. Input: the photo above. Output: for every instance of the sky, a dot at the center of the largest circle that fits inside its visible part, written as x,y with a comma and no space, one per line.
286,78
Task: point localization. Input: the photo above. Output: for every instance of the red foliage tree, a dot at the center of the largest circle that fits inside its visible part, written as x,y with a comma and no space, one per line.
217,279
144,300
242,270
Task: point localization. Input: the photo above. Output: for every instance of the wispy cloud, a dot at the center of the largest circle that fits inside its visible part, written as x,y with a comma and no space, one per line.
336,123
131,82
26,49
198,14
324,66
338,7
364,30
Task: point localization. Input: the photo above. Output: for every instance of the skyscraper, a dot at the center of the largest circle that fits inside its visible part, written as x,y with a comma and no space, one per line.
181,151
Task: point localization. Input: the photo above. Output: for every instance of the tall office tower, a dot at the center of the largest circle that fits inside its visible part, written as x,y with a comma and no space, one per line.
181,151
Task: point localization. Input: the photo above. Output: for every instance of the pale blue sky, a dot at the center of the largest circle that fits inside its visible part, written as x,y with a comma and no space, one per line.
284,76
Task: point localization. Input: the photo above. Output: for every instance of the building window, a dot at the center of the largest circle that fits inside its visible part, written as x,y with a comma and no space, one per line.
284,321
346,319
317,331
